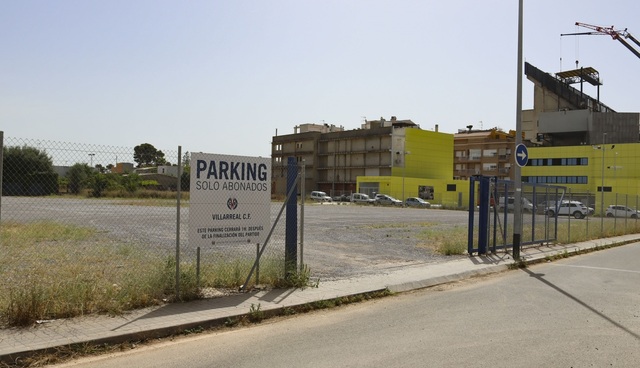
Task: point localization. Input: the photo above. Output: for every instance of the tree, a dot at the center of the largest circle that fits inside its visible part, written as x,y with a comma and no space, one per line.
79,176
28,171
185,178
146,154
130,182
186,159
99,183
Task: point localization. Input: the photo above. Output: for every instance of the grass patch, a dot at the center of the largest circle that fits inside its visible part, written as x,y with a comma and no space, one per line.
452,240
50,270
444,240
576,231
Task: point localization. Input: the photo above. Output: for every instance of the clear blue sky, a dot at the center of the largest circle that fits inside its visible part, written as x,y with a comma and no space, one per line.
224,76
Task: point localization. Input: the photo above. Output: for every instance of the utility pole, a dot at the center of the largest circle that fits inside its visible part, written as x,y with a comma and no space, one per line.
517,206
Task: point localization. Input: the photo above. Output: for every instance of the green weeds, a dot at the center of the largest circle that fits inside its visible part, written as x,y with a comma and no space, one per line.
66,271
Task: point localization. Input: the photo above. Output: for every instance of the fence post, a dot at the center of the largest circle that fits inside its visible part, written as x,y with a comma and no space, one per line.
1,169
615,218
257,263
302,197
483,215
472,207
178,223
291,241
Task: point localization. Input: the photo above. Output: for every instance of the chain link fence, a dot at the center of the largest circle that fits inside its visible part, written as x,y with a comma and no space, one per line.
90,228
548,214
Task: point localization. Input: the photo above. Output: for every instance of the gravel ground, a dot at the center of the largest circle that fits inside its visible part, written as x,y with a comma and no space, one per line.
343,241
340,241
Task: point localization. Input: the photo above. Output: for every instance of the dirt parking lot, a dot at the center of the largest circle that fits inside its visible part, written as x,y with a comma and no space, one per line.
340,241
343,241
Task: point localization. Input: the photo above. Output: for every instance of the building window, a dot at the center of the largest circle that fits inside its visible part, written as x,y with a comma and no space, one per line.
475,154
556,179
490,153
451,187
489,167
571,161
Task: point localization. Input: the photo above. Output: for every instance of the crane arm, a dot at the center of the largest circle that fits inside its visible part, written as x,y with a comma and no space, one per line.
600,30
620,36
626,44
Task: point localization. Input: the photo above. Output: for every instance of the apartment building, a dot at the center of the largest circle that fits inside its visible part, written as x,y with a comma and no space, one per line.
334,158
483,152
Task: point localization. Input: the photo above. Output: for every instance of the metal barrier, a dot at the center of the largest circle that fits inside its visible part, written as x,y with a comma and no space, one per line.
495,205
549,213
107,218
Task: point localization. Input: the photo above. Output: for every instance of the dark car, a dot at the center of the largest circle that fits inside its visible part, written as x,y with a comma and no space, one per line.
384,199
342,198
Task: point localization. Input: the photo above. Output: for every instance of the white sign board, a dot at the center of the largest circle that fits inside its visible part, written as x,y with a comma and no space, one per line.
230,199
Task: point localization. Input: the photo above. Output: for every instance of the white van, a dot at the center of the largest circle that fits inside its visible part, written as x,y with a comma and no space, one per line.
319,196
527,206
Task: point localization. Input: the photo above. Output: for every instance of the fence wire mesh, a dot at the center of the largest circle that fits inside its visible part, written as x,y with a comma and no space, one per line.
551,214
94,228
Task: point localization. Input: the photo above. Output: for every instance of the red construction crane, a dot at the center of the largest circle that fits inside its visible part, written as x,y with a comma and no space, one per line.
615,34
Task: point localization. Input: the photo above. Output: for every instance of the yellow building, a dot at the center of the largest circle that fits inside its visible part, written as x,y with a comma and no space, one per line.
584,170
422,167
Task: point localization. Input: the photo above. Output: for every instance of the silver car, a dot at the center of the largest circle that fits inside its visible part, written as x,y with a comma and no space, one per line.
417,202
621,211
569,208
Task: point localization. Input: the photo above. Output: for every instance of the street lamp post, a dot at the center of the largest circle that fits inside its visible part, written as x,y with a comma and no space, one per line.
404,168
603,148
91,158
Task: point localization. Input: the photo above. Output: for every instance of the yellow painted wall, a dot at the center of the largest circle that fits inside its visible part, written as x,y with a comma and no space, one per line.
430,155
393,186
621,168
428,162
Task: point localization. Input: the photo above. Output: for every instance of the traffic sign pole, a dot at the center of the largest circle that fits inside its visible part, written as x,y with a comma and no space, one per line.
517,209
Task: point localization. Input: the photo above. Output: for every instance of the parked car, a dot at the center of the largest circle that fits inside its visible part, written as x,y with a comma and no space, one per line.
417,202
362,198
384,199
526,206
622,211
319,196
569,208
342,198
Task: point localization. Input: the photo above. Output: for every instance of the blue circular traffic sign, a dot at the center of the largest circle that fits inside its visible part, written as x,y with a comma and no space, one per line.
522,155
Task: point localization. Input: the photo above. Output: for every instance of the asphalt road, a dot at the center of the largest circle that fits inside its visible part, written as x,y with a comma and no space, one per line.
582,311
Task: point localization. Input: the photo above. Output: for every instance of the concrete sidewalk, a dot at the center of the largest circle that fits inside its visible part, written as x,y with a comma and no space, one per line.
174,318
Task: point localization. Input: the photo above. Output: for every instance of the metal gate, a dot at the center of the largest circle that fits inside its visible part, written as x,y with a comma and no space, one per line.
491,214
